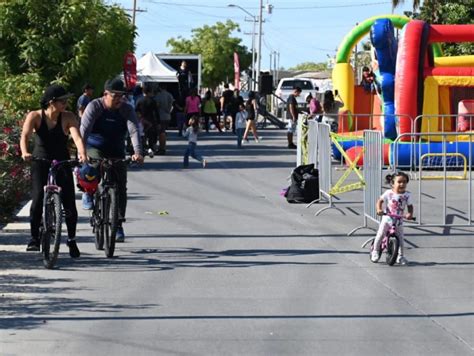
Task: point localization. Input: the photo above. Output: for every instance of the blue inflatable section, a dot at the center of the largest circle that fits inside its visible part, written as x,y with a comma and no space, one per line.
382,36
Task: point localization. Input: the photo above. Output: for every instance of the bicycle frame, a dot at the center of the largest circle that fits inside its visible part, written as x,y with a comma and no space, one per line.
390,232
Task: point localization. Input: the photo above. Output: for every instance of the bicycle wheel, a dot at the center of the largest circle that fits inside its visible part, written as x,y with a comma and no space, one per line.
52,221
110,220
96,223
392,250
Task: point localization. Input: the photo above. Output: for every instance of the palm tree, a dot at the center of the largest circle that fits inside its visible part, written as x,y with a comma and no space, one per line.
416,3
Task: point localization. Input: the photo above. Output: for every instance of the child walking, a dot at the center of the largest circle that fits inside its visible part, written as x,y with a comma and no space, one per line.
192,134
240,124
395,200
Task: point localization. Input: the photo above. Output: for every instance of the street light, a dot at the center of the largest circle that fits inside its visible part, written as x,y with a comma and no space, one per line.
253,42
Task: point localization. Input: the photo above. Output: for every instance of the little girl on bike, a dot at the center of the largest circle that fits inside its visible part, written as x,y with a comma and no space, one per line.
395,200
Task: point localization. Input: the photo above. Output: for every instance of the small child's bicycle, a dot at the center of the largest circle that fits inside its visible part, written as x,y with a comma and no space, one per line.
390,242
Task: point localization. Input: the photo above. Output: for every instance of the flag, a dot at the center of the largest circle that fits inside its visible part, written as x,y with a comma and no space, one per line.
130,70
236,71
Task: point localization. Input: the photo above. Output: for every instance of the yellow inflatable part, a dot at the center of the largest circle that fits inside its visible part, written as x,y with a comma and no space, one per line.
455,61
436,99
343,82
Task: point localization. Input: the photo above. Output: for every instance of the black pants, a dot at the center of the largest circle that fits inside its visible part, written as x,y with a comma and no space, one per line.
151,137
39,178
121,174
213,117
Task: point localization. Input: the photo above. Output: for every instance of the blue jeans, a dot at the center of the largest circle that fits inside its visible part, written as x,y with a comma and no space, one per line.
240,135
191,151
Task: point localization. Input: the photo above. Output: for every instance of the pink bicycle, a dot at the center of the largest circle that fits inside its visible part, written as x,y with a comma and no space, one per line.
390,242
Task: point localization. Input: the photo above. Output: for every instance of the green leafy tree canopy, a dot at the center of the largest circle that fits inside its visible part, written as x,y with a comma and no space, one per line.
311,66
69,42
454,12
217,47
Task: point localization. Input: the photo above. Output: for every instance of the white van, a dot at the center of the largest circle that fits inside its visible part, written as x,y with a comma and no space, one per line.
287,85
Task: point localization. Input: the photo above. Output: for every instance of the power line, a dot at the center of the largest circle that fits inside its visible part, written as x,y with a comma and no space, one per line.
277,8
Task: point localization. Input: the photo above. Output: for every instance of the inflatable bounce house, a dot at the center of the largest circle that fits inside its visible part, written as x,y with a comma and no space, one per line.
413,79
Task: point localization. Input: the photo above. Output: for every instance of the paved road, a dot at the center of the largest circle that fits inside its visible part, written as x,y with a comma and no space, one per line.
233,269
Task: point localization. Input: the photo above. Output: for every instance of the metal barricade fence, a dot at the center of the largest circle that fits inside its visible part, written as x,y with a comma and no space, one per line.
313,142
323,149
411,145
373,163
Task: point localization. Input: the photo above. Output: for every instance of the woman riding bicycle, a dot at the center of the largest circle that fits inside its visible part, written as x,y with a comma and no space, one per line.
51,126
396,200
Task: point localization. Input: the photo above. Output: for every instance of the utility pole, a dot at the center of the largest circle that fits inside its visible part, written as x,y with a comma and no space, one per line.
259,43
134,11
274,67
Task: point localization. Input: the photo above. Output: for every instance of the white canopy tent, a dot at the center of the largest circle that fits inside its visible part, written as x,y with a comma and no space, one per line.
152,69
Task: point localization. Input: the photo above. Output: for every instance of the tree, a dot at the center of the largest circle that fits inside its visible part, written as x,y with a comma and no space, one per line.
311,66
63,41
217,47
448,12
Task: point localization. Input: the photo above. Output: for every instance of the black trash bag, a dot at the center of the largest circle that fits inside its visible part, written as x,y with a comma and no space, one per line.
304,186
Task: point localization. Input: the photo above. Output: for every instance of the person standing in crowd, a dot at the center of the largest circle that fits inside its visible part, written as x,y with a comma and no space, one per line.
234,107
192,105
165,102
314,106
331,110
148,113
178,109
209,111
292,115
240,124
51,126
226,103
84,99
192,134
104,127
185,79
251,107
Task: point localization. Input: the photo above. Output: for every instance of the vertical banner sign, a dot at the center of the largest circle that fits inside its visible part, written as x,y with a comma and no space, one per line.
236,71
130,70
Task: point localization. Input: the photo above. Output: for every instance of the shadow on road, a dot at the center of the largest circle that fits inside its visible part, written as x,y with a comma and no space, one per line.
26,301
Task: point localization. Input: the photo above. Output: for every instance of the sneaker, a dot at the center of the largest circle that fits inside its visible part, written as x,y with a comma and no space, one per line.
374,256
292,146
73,249
258,139
33,244
161,152
402,261
150,153
120,235
86,201
204,163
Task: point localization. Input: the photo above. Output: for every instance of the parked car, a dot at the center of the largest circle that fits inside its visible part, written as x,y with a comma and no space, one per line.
287,85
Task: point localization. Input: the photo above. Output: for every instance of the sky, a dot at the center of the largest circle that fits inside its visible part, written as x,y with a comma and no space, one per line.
300,30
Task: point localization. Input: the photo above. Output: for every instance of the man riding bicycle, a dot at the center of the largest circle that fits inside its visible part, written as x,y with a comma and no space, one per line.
104,126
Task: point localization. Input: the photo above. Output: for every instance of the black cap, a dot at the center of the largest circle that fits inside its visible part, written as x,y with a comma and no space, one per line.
55,92
115,86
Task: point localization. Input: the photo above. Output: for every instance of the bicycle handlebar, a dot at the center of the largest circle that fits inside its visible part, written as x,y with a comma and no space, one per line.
55,162
396,216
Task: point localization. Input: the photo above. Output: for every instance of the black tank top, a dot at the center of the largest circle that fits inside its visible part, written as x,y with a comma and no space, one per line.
51,144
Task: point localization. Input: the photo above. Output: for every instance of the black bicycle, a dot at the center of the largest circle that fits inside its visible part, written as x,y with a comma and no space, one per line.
51,225
105,211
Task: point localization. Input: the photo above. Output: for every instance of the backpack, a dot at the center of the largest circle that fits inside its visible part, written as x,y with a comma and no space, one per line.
304,186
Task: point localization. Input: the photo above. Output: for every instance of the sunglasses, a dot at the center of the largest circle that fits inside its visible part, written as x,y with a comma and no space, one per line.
61,101
115,95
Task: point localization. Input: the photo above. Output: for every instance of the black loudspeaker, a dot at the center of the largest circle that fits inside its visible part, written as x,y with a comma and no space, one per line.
266,84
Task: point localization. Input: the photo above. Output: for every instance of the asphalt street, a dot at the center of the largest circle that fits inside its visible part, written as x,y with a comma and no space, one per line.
216,262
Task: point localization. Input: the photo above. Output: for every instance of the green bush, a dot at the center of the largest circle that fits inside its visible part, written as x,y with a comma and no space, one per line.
14,173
